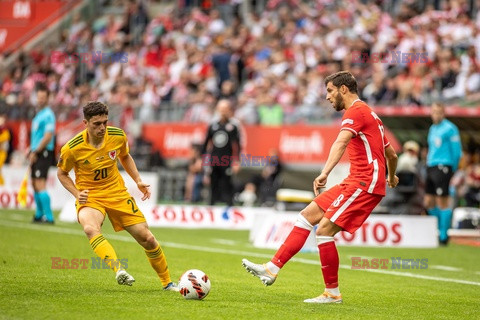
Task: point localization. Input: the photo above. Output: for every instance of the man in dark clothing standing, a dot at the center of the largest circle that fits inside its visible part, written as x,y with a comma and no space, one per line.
220,151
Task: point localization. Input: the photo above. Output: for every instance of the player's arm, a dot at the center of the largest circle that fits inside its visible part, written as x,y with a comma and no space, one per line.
336,152
392,160
43,143
45,140
68,184
131,168
48,136
66,163
456,148
207,140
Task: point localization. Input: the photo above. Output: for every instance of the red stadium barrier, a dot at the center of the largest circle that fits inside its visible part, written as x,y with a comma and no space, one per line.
295,143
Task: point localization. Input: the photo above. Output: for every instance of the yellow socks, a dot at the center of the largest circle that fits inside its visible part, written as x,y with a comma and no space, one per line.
105,251
158,261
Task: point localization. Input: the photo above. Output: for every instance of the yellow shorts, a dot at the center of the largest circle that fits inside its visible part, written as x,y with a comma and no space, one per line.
122,210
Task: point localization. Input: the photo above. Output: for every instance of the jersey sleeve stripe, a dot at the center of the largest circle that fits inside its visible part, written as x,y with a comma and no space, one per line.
75,144
349,129
114,129
75,139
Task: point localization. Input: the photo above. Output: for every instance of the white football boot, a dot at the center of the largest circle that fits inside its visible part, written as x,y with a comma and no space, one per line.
172,286
325,297
124,278
260,271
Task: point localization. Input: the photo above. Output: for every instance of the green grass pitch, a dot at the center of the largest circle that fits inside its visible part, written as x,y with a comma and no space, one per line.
30,289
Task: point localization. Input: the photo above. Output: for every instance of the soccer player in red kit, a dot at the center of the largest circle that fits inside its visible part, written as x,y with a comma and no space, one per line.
347,205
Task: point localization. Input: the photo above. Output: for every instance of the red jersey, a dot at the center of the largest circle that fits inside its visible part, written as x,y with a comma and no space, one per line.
366,149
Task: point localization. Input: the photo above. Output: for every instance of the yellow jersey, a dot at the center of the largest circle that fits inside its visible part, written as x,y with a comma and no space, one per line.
96,170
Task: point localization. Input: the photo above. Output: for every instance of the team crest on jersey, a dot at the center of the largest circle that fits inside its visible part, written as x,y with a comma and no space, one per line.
112,154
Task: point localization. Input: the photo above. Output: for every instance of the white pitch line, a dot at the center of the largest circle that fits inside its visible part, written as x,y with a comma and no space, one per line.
445,268
57,229
224,241
17,216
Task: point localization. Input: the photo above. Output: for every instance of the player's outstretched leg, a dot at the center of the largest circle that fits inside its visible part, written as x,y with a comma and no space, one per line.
267,273
260,271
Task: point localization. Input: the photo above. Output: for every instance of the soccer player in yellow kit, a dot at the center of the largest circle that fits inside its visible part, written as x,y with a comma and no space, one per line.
100,191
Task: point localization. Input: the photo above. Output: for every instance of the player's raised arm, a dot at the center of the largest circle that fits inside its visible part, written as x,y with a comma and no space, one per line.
131,168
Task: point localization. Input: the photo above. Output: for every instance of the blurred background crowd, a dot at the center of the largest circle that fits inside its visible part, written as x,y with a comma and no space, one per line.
268,57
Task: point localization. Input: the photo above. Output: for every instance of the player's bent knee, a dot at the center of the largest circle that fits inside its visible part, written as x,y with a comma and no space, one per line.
91,230
327,228
312,214
151,242
147,240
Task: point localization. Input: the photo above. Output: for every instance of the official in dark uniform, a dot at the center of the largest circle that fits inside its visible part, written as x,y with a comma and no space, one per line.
220,153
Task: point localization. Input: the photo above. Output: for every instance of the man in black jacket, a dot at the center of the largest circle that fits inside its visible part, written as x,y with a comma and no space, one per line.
220,151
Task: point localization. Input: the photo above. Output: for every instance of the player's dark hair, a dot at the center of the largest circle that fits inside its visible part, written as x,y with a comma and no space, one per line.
40,86
94,108
343,78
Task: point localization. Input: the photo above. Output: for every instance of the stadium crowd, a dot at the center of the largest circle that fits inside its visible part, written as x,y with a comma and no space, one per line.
271,64
270,61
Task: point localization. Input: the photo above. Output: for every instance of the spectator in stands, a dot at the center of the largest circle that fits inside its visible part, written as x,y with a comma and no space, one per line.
269,180
407,197
194,181
270,112
408,160
248,196
472,181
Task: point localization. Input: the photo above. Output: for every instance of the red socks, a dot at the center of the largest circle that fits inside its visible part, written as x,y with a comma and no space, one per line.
294,242
330,263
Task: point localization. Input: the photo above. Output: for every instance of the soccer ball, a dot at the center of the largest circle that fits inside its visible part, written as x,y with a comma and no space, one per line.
194,285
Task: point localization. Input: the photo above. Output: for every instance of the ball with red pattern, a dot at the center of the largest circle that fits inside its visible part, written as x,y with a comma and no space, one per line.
194,284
